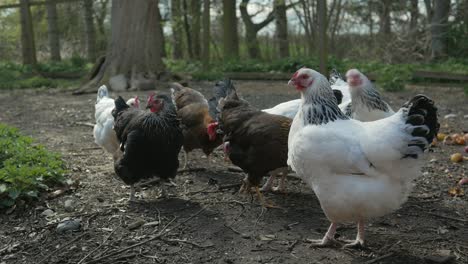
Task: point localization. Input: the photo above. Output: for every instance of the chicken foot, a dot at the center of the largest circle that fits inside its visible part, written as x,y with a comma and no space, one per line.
359,242
246,188
328,239
273,174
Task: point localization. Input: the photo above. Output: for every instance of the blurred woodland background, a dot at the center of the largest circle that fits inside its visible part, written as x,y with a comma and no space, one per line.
133,44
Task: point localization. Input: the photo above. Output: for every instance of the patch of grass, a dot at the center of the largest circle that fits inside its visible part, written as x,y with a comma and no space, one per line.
16,76
26,169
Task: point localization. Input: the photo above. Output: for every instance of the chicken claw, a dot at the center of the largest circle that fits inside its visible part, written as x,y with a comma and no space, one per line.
263,201
327,240
359,242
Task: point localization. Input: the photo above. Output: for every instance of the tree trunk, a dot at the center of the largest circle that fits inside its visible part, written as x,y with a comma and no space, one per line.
160,33
230,35
188,33
414,13
429,11
176,19
206,34
322,25
133,57
90,31
384,14
282,28
28,46
439,28
251,29
195,14
53,32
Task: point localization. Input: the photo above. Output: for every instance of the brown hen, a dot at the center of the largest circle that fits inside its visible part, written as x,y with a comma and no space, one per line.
198,126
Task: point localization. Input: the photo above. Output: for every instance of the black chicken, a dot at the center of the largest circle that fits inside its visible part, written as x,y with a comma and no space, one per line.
150,140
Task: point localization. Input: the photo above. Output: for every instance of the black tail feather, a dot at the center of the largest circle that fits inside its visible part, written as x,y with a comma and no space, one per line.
338,96
422,111
120,105
221,90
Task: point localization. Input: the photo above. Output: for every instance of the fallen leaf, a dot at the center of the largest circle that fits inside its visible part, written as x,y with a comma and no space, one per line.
456,191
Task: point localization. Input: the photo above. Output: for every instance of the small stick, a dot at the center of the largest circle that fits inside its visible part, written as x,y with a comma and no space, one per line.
96,249
229,186
188,242
84,124
60,248
160,234
448,217
191,170
379,258
234,169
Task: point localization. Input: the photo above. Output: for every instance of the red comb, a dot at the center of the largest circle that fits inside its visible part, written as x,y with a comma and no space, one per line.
150,97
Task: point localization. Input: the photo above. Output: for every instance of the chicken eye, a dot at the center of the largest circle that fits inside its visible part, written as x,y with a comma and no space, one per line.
304,76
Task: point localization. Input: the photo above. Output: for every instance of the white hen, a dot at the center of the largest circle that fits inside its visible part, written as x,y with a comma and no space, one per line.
103,132
367,103
290,108
358,170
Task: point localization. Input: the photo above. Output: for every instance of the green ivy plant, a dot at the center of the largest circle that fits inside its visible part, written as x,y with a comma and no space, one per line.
26,168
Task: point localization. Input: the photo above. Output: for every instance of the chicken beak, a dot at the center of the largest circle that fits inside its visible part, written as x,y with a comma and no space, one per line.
292,82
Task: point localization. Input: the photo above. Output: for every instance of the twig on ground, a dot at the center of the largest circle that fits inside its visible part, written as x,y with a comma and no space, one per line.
159,235
84,124
99,247
291,247
260,216
191,170
187,242
62,247
448,217
234,169
229,186
233,230
379,258
91,148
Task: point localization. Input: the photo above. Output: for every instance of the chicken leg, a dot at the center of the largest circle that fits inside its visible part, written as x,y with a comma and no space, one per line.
328,239
273,174
185,159
359,242
246,188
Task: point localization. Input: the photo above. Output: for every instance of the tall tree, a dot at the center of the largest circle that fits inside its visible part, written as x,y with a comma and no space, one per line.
385,23
160,32
176,20
414,15
133,59
28,46
206,34
281,28
188,32
53,31
322,39
439,29
100,15
230,35
251,29
90,31
196,29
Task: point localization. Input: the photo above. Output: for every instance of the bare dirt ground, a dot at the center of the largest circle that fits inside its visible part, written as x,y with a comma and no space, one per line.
201,223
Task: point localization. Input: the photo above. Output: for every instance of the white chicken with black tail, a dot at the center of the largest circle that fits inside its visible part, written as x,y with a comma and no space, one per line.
358,170
366,102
